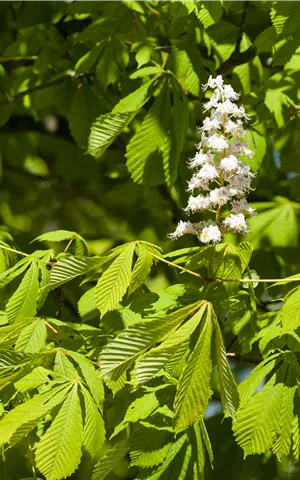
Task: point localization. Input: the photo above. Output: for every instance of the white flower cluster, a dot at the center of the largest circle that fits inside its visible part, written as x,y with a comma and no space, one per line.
220,178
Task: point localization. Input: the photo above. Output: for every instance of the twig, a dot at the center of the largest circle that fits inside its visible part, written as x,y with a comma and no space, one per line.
18,59
50,326
69,244
53,83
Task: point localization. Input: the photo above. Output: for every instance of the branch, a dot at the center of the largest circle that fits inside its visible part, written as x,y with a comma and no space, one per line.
242,28
53,83
238,58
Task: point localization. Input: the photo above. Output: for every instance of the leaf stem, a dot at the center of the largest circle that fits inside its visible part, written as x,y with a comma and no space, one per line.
14,251
226,280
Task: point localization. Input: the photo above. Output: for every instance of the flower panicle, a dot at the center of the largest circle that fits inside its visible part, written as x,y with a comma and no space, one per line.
221,180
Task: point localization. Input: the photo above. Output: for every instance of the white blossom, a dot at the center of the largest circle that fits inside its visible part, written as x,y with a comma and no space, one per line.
229,164
219,196
242,206
217,142
218,162
211,233
211,125
182,229
235,129
226,108
229,93
208,172
198,203
199,159
197,182
240,182
236,223
214,82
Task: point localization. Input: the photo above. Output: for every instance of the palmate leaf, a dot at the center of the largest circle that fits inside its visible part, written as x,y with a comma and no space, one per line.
91,376
59,451
193,391
94,428
141,268
149,446
10,359
68,268
107,127
63,366
256,422
8,275
31,411
266,421
228,387
115,280
285,17
87,303
157,357
258,374
33,337
290,312
175,463
144,151
39,376
23,303
110,460
122,352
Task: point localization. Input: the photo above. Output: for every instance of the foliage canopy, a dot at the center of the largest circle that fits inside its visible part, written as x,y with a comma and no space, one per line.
119,355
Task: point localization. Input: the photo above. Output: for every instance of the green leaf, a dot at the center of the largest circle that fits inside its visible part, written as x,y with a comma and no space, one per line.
285,17
87,303
228,387
265,40
141,268
91,376
209,13
157,357
31,411
248,386
193,391
290,312
8,275
113,57
39,376
23,303
149,446
85,109
145,149
122,352
115,280
276,100
63,366
110,460
11,359
59,451
105,129
94,428
68,268
33,338
136,99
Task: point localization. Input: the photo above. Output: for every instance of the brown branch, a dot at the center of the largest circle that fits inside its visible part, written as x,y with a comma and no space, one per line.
242,28
238,58
52,83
